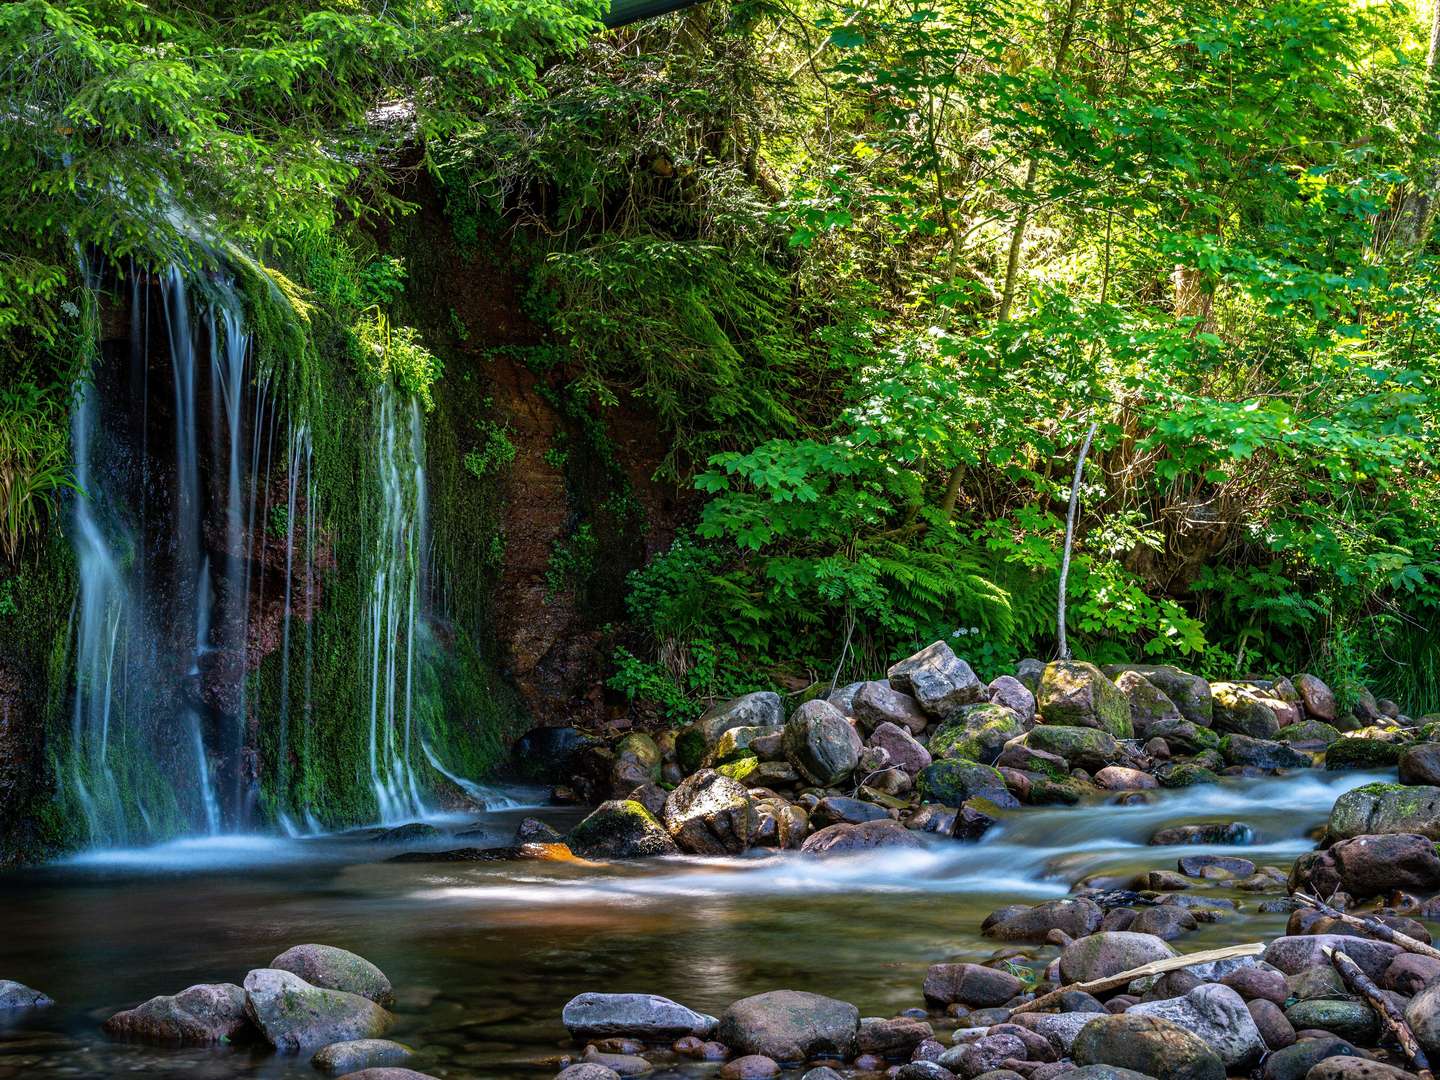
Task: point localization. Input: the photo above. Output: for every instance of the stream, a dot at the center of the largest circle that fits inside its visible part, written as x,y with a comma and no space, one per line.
483,956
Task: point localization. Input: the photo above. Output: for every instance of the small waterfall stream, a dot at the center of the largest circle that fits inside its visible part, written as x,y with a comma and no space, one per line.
393,615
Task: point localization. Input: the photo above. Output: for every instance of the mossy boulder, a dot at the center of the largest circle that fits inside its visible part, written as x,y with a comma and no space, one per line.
1076,694
1357,753
736,743
711,814
1350,1020
294,1016
1180,774
1385,808
1088,748
1148,703
953,780
1184,736
976,732
621,829
1241,711
643,750
1314,733
1190,693
336,969
760,709
1262,753
1149,1046
208,1013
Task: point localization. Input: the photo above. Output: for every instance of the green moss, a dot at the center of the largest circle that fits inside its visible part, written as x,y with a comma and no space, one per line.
1363,754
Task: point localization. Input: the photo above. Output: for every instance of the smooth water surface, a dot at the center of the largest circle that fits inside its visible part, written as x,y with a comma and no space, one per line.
484,955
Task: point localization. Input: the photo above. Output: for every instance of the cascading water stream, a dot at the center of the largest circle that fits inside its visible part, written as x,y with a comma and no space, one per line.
393,614
159,624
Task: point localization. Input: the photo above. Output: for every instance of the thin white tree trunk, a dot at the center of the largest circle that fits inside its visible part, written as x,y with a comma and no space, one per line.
1070,536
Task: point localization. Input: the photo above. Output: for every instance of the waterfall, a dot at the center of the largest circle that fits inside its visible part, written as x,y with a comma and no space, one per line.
393,615
159,628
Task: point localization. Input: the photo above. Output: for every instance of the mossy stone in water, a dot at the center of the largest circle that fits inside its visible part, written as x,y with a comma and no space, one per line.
951,781
1386,808
621,829
1309,733
1179,774
1363,754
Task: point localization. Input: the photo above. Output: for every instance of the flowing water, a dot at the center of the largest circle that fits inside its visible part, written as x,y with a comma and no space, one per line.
484,955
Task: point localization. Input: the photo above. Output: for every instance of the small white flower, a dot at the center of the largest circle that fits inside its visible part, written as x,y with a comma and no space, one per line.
69,308
974,629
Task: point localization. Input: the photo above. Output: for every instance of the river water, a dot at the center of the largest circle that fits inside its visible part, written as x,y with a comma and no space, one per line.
483,956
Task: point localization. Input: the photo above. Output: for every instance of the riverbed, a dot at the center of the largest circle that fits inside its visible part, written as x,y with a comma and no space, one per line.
483,956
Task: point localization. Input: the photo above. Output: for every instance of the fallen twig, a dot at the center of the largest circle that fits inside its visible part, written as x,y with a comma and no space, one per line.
1362,984
1372,926
1155,967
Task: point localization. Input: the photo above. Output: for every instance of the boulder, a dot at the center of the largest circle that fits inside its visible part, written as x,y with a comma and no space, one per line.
1148,1045
1076,918
1014,695
1420,765
1319,702
1109,953
1232,865
1239,710
791,1026
1409,973
710,814
342,1058
396,1072
294,1016
820,743
858,839
1423,1016
623,1064
1217,1014
1262,753
893,1038
1295,1062
1293,954
1076,694
1269,1019
762,709
1060,1029
877,703
1350,1020
1149,704
953,780
973,985
621,829
1385,808
15,996
1357,1068
1119,778
901,748
749,1067
584,1070
1190,693
208,1013
1183,774
640,1016
330,968
1085,748
1212,832
1184,736
1374,865
1310,733
1352,752
737,743
939,680
976,733
643,750
839,810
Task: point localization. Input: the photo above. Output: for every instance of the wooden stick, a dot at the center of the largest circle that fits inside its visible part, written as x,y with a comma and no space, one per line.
1155,967
1372,926
1361,983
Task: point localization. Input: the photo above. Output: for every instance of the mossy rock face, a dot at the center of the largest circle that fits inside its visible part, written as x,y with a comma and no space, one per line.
1084,747
1351,753
1386,808
691,748
951,781
741,769
1348,1019
1074,693
1179,774
977,732
621,829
